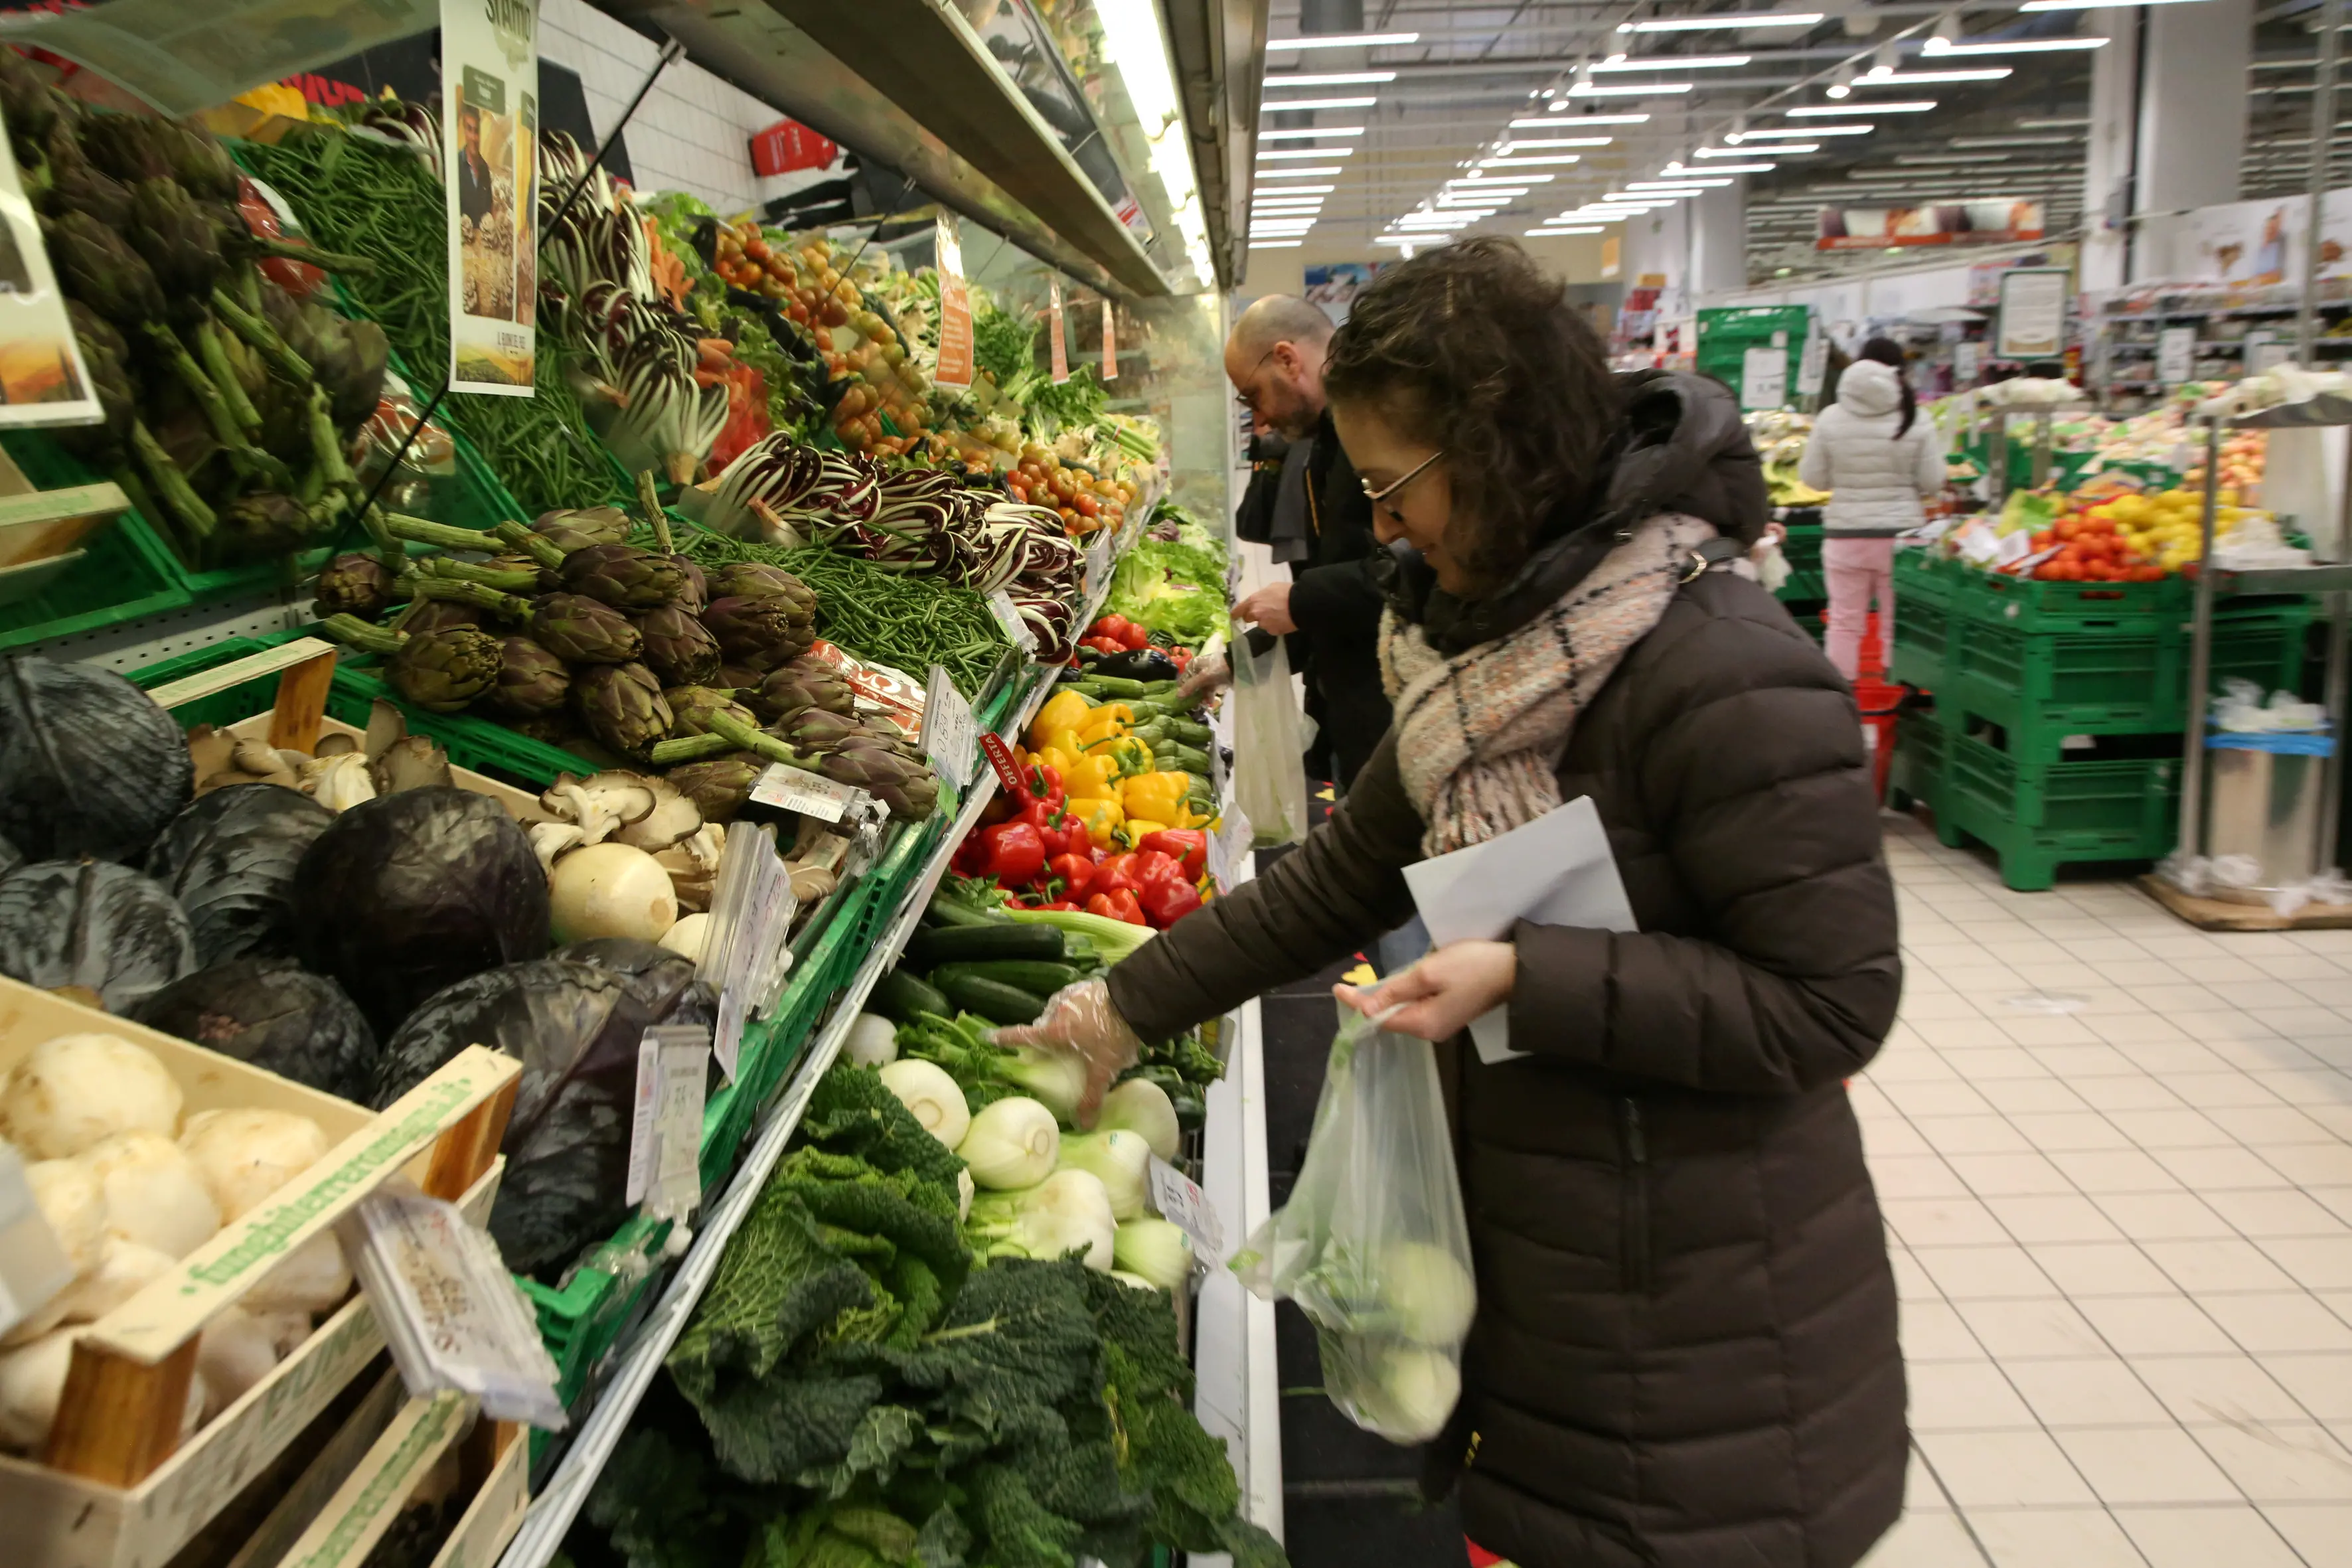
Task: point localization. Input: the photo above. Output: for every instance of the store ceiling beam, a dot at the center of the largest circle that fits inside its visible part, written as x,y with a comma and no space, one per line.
1220,54
906,84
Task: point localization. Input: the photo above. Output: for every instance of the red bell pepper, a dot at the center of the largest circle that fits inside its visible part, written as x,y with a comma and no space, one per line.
1171,901
1153,868
1115,873
1104,645
970,858
1189,847
1118,905
1075,872
1016,853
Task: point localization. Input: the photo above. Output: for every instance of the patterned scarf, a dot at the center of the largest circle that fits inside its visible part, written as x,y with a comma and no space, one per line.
1480,735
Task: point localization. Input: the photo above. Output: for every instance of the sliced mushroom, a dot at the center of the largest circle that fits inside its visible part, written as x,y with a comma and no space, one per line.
693,866
600,803
549,840
673,819
336,743
385,726
413,761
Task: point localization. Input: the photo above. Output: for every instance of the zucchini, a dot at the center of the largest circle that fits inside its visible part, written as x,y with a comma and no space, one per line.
973,944
1022,973
899,995
998,1004
947,911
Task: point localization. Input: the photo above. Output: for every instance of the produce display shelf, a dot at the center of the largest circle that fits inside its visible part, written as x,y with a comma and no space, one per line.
598,1431
2037,818
125,575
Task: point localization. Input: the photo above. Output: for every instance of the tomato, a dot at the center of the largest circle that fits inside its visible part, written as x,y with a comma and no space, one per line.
1087,507
756,248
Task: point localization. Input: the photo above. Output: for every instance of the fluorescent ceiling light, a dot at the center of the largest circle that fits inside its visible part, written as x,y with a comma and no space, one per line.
1740,168
1789,149
1308,172
1404,240
1275,244
1655,198
1514,179
1318,131
2058,124
1581,119
2028,142
1793,130
1730,19
1342,41
2015,47
1631,89
1671,62
1533,163
1689,184
1831,110
1270,155
2093,4
1909,79
1281,79
1270,107
1515,144
1479,193
1302,190
1556,233
1133,35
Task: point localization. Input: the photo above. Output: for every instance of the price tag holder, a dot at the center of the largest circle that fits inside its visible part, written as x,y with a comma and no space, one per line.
1016,626
1098,561
453,1316
665,1138
1000,758
2176,353
1179,1200
33,1266
1220,865
949,729
750,912
789,788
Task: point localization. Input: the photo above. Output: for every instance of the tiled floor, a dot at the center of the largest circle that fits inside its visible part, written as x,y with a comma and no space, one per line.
2112,1155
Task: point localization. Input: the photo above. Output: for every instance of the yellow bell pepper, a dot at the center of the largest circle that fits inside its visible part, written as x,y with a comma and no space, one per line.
1103,816
1065,742
1158,796
1090,777
1110,719
1063,711
1140,828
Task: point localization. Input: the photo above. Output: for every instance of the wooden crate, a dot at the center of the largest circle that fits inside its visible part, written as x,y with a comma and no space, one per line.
116,1487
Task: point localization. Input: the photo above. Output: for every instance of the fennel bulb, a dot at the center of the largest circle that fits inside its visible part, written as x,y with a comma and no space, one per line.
1155,1250
1409,1393
1142,1106
1120,1158
1055,1078
925,1089
1013,1144
1067,1212
1433,1296
873,1041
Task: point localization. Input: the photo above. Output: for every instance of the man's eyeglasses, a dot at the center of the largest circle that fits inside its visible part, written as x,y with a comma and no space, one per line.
1377,495
1247,393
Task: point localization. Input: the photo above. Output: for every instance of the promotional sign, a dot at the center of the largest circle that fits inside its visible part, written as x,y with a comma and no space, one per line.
1969,223
1612,250
1764,377
954,369
1060,339
489,66
1968,361
1110,341
788,146
2033,319
42,378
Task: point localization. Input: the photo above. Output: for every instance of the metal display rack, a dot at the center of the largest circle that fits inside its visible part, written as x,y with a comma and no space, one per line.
2334,580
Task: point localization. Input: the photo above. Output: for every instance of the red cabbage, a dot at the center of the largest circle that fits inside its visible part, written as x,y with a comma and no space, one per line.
103,928
88,765
229,859
276,1015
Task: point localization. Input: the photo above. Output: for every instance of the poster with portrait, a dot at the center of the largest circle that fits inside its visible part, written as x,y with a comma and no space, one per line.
1334,285
42,378
489,67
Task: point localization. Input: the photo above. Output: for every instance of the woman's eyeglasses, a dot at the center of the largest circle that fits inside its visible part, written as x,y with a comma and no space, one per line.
1379,496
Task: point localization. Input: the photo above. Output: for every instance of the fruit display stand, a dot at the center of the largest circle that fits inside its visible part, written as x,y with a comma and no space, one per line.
2207,663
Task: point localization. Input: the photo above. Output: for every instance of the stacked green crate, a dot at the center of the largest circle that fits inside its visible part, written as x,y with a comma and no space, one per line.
1726,335
2059,707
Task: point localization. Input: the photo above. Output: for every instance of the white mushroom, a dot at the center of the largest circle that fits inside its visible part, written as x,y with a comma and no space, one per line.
674,819
338,783
549,840
693,866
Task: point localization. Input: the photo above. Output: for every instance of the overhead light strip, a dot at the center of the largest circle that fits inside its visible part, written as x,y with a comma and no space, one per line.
1921,78
1281,80
1630,89
1671,62
2012,47
1802,130
1266,154
1579,119
1270,107
1318,131
1342,41
1831,111
1726,20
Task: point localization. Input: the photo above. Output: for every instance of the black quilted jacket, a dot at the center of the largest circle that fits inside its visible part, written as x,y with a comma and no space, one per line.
1685,1352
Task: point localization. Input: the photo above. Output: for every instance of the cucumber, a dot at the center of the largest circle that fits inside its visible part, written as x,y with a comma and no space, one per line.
899,995
947,911
1022,973
996,1003
973,944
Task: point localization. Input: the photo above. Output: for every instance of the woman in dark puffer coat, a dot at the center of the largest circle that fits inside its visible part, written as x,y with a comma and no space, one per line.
1685,1354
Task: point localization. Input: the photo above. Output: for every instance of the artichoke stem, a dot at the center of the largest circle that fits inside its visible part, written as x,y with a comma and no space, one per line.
249,460
727,727
434,585
326,450
143,501
249,289
538,546
172,486
215,354
386,547
486,576
358,634
649,497
438,535
255,330
688,749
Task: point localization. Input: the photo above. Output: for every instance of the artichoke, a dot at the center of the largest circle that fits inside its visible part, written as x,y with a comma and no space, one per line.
129,147
108,359
348,358
96,268
265,524
908,788
814,729
798,687
531,682
579,630
697,592
621,576
751,580
691,708
353,586
761,633
622,705
24,99
579,528
177,239
199,162
442,671
736,676
434,614
75,187
678,647
720,785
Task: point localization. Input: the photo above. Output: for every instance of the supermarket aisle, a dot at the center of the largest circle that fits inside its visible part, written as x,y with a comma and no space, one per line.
2116,1159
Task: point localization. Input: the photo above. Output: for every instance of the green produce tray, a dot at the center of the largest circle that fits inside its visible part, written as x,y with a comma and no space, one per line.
2038,816
1803,547
1923,575
125,573
2043,685
1916,771
1803,587
2033,606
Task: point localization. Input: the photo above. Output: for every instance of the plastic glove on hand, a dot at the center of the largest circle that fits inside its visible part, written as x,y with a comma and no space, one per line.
1204,676
1082,1019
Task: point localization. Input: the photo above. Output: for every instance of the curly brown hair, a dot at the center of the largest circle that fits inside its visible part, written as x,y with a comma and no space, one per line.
1472,348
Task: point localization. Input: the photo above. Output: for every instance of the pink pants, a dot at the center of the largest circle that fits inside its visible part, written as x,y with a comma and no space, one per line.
1859,570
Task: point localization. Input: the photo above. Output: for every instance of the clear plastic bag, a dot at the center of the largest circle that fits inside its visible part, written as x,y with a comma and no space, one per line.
1269,746
1373,1244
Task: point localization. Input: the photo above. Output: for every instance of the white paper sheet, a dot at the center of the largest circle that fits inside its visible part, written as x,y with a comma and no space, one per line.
1557,870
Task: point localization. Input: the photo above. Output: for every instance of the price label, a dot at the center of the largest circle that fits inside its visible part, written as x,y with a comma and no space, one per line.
749,916
1000,757
1968,361
2176,352
1098,561
1179,1200
1220,865
789,788
949,729
1058,334
1110,340
1764,377
954,366
1016,625
454,1318
666,1137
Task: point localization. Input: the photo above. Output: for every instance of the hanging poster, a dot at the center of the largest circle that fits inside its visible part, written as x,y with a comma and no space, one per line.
1612,251
489,60
2032,321
1110,340
1058,335
954,369
1965,223
42,378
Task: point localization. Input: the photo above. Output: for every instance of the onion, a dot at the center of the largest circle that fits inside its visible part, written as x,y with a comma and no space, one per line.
610,890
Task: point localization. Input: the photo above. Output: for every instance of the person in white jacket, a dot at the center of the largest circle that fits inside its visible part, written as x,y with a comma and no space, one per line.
1878,459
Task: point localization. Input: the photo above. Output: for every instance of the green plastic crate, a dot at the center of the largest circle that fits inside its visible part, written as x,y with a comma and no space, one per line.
2038,816
484,745
1923,634
124,574
1801,548
1916,771
2031,605
1923,575
1803,586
